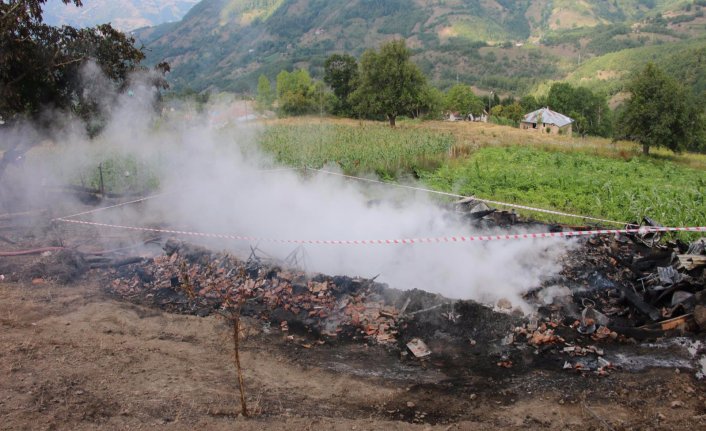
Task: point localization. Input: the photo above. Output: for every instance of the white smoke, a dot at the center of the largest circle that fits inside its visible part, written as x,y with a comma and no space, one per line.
212,182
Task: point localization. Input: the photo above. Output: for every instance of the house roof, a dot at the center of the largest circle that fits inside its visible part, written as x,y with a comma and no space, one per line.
547,116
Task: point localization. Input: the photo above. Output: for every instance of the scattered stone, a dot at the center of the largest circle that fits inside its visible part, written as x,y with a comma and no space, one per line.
700,316
504,304
418,348
677,404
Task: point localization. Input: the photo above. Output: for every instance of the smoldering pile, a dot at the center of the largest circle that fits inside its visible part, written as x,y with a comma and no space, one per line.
589,316
632,283
191,279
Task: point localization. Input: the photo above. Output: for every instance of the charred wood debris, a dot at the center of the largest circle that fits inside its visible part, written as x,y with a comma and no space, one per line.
612,290
618,289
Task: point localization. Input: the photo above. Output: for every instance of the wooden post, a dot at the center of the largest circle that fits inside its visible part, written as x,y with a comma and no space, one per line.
100,172
235,322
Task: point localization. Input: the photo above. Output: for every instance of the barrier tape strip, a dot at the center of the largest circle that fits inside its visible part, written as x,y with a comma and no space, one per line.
446,239
487,201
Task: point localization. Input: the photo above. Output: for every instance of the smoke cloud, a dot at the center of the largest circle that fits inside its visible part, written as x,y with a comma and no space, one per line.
213,181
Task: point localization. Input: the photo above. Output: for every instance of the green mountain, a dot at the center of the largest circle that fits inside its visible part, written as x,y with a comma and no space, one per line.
125,15
504,45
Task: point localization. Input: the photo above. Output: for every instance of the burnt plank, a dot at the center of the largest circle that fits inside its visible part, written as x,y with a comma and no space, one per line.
638,303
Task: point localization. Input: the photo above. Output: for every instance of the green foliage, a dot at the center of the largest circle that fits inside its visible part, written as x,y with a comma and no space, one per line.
295,92
265,96
189,94
460,98
513,112
502,121
288,34
341,73
430,103
491,100
684,60
607,38
290,22
576,182
660,113
390,84
403,23
370,10
373,148
580,183
588,109
530,103
40,65
688,66
122,174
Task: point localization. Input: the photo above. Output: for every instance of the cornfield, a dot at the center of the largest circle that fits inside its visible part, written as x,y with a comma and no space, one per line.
578,181
369,148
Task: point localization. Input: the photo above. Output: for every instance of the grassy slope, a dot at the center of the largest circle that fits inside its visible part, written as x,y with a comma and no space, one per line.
618,66
585,176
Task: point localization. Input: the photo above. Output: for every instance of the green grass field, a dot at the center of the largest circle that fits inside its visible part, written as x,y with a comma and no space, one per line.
619,185
580,184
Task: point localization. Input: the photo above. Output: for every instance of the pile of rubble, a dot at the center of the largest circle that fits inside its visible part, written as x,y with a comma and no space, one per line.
190,279
614,291
621,282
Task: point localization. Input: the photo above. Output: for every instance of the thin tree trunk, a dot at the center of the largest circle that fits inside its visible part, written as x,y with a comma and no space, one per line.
645,150
235,320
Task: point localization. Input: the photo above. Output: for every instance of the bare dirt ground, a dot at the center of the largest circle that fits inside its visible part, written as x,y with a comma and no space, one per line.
71,357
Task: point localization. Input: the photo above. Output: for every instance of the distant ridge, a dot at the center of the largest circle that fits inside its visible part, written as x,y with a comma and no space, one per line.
511,46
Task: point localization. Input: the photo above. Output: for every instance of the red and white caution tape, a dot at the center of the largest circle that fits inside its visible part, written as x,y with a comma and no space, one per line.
446,239
487,201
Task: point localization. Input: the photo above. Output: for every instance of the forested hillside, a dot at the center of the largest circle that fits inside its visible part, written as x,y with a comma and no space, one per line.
504,45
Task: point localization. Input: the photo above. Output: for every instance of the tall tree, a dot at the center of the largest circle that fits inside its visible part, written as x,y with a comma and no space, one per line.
341,73
660,113
295,92
389,84
460,98
530,103
430,103
40,65
513,112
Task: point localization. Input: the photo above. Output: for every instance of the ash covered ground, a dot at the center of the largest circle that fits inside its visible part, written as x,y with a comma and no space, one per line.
621,309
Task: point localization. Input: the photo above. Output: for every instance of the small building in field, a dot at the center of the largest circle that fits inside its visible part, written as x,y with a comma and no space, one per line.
482,118
547,121
453,116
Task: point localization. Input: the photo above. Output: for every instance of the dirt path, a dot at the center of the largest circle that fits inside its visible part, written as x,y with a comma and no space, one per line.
73,358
